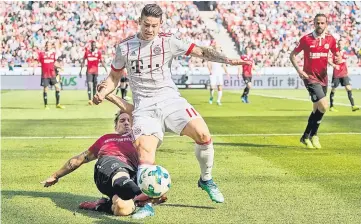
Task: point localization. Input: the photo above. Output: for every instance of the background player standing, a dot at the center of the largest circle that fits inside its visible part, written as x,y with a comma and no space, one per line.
48,75
217,71
340,76
247,70
93,56
316,47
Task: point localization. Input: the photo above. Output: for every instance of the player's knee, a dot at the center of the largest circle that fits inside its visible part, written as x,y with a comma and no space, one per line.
146,146
125,188
348,88
202,137
333,90
323,106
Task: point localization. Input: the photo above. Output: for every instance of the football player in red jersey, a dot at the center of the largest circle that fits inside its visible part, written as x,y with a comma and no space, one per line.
114,171
340,76
316,47
247,70
93,56
49,64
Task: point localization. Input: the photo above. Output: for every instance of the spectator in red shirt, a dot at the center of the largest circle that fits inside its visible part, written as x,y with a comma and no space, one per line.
93,56
340,75
316,47
49,64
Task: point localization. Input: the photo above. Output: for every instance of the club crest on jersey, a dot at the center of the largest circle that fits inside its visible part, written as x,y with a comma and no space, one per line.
327,46
157,50
133,53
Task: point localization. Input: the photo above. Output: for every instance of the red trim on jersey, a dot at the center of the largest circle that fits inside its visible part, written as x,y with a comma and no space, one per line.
194,112
126,39
151,56
116,70
189,113
165,34
205,143
163,56
140,44
190,49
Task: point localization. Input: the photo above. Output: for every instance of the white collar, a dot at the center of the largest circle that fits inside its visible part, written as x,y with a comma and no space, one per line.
322,36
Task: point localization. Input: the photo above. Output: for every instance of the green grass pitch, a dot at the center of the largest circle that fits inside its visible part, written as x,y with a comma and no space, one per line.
263,171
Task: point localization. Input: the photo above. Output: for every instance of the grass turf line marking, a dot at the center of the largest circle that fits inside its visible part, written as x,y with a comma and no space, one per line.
299,99
177,136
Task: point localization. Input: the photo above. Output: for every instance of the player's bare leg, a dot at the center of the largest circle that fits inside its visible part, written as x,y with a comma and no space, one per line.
197,130
332,94
211,93
45,97
220,93
349,94
57,96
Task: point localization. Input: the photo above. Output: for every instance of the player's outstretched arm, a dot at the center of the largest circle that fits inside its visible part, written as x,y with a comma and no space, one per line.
71,165
210,54
111,82
119,102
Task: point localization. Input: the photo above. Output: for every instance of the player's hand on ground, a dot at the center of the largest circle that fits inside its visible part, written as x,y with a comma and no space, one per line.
50,181
303,75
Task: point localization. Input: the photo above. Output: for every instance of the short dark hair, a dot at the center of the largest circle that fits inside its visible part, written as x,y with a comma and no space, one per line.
152,10
117,115
320,15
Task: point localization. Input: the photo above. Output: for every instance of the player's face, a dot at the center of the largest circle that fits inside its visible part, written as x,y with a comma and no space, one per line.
93,45
123,126
320,24
149,27
340,44
48,46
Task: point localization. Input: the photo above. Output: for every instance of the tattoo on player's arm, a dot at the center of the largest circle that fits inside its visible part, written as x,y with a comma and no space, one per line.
213,55
70,165
209,54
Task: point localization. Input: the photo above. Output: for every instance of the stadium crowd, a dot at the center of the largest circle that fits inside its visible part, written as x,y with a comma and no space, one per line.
26,26
271,28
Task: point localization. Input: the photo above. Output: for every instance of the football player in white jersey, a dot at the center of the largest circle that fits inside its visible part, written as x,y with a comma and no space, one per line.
158,105
217,70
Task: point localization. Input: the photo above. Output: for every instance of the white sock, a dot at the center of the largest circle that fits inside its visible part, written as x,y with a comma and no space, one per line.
141,167
219,96
205,156
212,92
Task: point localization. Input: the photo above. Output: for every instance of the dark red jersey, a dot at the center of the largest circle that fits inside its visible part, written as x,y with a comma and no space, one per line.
120,146
342,72
93,61
47,60
247,69
316,51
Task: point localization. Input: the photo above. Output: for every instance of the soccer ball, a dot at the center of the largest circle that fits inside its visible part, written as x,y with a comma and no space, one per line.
154,181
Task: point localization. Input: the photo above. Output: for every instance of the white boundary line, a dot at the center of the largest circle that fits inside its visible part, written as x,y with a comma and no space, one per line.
177,136
295,98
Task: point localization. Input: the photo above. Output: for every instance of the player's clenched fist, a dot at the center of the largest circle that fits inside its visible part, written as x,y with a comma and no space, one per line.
98,98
